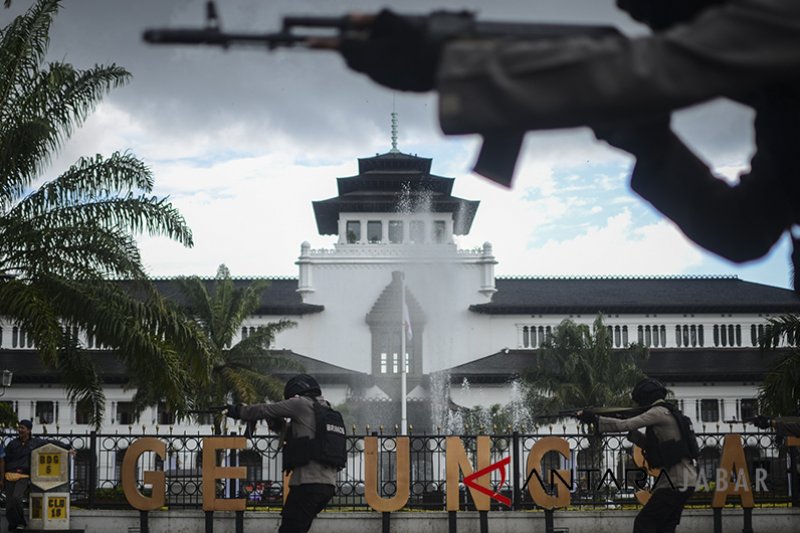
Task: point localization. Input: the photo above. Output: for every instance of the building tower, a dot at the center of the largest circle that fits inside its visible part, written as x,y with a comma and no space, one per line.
396,225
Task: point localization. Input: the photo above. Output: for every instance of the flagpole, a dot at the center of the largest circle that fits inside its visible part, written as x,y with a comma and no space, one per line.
403,386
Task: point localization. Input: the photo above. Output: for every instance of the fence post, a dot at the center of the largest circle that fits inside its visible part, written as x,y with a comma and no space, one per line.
516,495
484,521
748,520
717,520
144,522
386,519
794,476
209,521
239,526
549,525
92,469
233,460
452,524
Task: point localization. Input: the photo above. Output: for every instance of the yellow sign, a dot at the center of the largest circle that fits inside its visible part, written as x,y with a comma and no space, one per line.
49,465
56,508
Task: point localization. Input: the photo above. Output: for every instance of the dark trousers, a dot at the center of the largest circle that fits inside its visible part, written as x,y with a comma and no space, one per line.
303,505
662,513
15,493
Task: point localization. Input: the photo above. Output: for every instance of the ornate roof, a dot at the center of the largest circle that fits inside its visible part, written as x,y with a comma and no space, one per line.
279,299
666,364
394,182
636,295
28,368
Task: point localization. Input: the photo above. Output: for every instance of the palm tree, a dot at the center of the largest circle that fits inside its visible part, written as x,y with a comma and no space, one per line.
63,240
240,372
779,393
577,368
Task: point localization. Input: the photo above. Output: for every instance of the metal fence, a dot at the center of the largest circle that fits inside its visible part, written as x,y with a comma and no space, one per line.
600,470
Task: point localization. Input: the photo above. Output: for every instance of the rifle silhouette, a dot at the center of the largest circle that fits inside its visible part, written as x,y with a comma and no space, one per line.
500,150
748,420
250,425
612,412
213,410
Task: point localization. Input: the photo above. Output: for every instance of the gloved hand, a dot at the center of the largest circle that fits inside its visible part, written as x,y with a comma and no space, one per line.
399,53
762,422
276,424
234,411
662,14
586,416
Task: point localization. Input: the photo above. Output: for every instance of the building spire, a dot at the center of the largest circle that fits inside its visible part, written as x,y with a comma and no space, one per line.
394,149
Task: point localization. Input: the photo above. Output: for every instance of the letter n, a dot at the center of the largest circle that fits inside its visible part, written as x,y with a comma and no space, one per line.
457,462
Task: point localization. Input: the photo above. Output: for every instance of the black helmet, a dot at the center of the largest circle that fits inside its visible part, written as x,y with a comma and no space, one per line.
648,391
301,385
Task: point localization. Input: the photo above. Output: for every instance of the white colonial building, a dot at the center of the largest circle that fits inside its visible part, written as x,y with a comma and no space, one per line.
395,223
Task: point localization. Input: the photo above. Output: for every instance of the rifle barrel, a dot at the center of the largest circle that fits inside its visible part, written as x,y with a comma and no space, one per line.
522,30
218,38
303,21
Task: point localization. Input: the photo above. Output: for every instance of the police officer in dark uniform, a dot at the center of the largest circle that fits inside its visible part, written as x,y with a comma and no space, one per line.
667,445
313,475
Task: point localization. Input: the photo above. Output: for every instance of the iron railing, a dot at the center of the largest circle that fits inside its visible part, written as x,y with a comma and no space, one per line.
601,471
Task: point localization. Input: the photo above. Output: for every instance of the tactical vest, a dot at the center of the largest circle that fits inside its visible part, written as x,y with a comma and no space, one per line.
664,454
329,445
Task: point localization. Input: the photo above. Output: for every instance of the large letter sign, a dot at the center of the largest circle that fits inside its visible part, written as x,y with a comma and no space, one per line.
457,461
732,462
212,472
542,447
156,479
371,492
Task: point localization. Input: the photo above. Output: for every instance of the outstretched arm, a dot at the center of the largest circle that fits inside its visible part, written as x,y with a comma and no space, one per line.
737,221
727,50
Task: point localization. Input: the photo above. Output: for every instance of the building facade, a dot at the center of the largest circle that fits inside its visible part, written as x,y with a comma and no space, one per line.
396,278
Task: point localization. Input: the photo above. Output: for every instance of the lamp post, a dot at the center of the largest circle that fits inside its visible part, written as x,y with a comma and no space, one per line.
5,380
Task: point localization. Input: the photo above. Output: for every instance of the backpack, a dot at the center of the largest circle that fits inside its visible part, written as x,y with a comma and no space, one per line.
687,431
329,445
331,436
668,453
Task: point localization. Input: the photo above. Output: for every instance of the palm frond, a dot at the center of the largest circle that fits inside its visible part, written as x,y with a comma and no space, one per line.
779,392
63,241
578,367
79,375
240,371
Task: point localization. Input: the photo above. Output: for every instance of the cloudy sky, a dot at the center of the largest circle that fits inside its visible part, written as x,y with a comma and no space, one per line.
243,141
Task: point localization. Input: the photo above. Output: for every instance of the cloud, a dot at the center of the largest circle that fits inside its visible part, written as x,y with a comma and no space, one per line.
619,247
243,141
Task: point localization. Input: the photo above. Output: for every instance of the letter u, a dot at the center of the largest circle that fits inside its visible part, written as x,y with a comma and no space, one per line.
400,498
